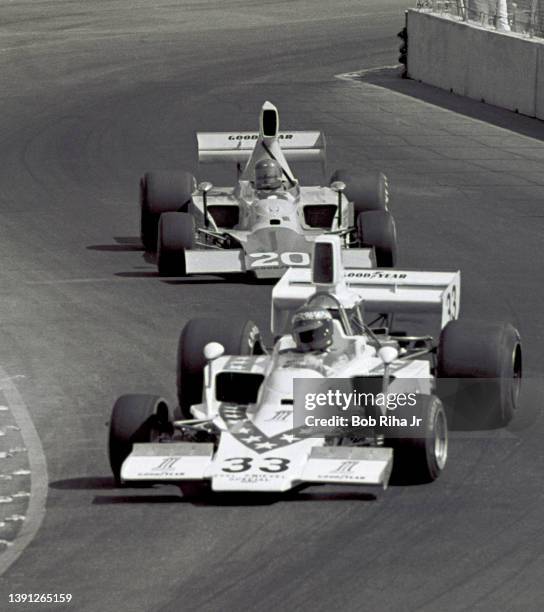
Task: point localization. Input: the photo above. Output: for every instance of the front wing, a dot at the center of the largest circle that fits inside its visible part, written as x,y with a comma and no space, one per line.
273,471
263,264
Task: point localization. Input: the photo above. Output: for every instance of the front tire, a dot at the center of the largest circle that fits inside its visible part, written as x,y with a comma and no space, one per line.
237,337
134,418
377,229
176,235
420,451
368,192
162,192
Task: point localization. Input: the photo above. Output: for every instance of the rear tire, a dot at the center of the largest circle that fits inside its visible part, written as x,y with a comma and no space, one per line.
419,452
479,371
377,229
162,192
238,338
134,418
176,235
368,192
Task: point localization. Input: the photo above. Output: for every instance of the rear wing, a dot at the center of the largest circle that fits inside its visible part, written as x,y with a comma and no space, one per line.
381,291
237,147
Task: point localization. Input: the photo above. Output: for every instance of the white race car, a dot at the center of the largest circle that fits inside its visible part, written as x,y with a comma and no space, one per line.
267,221
237,424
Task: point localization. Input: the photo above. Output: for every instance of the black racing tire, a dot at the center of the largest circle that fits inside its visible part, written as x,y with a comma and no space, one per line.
176,235
162,192
368,192
376,228
238,338
479,370
420,451
134,418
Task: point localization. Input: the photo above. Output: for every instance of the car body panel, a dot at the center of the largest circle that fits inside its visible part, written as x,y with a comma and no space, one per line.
259,448
249,400
281,225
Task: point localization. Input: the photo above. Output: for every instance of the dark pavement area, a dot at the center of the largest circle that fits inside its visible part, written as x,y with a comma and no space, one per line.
95,93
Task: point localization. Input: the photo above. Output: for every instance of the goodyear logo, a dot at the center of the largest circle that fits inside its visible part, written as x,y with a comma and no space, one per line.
256,136
378,275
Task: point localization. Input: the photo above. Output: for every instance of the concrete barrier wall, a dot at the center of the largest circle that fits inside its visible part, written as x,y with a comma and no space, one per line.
540,85
503,69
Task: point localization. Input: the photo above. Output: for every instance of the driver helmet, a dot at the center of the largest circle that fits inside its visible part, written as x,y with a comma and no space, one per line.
312,329
267,175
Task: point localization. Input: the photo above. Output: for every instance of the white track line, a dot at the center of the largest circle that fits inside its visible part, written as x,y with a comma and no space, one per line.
350,76
38,469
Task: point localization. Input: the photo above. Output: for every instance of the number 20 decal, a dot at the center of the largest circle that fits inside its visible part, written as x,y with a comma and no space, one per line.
243,464
271,260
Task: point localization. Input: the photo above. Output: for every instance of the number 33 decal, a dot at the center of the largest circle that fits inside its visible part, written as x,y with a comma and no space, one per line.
243,464
271,260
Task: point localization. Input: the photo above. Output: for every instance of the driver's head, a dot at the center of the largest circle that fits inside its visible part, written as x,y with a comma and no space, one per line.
267,175
312,328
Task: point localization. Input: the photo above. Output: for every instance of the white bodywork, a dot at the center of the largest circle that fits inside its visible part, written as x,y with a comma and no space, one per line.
259,448
261,437
270,227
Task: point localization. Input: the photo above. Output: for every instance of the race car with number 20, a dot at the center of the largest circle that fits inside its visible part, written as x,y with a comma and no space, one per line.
267,222
236,427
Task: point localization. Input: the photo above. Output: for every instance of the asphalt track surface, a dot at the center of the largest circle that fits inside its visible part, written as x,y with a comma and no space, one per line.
95,93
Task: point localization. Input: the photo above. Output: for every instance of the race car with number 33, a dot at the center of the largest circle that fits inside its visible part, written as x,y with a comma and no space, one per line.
236,427
267,222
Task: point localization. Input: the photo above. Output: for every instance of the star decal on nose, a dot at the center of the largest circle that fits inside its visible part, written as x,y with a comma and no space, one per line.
265,446
243,430
289,438
252,439
248,434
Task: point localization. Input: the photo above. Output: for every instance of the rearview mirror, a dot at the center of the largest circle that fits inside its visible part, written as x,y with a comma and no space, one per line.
205,186
213,350
338,186
388,354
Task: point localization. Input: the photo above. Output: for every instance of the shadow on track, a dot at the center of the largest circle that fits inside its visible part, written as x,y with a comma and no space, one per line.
88,483
140,274
133,244
217,500
232,279
199,494
509,120
123,244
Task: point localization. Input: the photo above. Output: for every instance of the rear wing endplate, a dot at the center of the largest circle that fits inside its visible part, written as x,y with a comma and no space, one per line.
237,147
